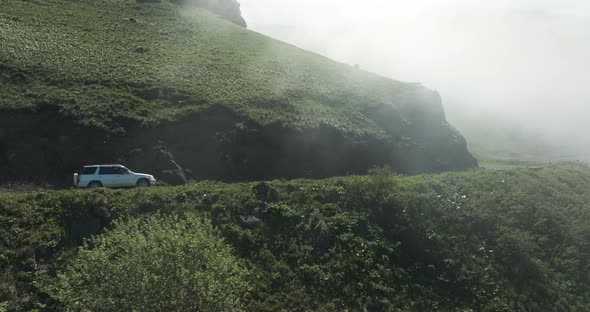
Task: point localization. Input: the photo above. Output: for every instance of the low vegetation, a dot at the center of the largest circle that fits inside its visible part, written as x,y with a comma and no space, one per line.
474,241
159,263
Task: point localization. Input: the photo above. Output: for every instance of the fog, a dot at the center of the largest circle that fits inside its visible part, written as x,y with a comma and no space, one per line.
514,76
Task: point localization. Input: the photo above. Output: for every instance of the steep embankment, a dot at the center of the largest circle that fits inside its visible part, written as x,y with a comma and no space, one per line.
154,84
480,240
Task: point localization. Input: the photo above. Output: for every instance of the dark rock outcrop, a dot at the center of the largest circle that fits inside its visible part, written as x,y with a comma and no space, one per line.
422,139
220,144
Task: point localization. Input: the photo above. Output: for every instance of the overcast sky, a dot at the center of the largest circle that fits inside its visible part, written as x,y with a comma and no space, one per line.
289,12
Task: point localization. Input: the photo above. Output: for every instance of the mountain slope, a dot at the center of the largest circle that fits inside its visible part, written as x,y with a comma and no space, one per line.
152,83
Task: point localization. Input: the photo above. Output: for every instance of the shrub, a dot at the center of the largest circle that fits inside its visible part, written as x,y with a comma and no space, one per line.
158,263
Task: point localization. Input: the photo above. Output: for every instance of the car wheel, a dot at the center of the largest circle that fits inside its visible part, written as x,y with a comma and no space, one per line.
94,184
143,183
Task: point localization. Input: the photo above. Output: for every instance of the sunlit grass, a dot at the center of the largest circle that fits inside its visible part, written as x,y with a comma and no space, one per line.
103,61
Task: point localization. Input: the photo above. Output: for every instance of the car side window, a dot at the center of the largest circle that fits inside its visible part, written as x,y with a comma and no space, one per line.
107,170
89,170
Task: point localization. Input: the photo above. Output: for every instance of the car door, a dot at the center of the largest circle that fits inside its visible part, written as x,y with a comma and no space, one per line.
123,177
106,175
129,178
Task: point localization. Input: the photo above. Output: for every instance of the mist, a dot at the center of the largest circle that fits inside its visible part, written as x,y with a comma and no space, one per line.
513,77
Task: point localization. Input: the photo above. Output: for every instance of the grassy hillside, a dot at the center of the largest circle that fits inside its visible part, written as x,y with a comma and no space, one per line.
99,61
474,241
153,85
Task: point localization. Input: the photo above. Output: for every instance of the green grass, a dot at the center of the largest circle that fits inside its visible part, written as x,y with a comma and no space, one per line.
81,58
484,240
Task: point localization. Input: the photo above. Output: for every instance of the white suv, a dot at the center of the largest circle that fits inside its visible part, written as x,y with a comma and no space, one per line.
111,176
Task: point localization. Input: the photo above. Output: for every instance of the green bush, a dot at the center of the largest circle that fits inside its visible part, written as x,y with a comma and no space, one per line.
157,263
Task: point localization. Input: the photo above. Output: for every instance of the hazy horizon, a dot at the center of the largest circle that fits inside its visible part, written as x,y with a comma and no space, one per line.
515,70
289,12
